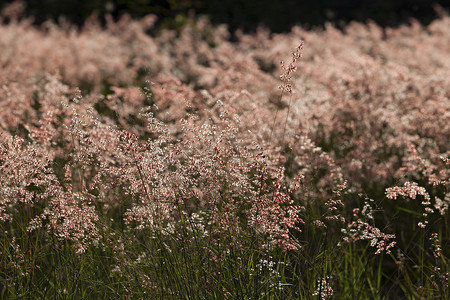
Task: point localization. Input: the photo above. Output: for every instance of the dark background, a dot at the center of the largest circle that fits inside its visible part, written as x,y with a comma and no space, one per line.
278,15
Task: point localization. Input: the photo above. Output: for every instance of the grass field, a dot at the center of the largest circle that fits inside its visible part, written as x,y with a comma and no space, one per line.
185,166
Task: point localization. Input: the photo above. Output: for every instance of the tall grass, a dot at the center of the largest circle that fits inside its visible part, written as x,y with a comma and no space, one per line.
179,171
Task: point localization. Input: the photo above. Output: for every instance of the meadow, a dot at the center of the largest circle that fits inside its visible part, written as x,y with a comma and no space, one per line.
138,163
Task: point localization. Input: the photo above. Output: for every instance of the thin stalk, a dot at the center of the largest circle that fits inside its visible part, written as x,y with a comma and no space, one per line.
287,116
275,118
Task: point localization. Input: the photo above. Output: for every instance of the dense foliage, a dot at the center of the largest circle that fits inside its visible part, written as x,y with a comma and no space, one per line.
279,16
183,165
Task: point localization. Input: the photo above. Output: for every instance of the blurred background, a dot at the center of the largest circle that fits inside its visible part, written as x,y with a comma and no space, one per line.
278,16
